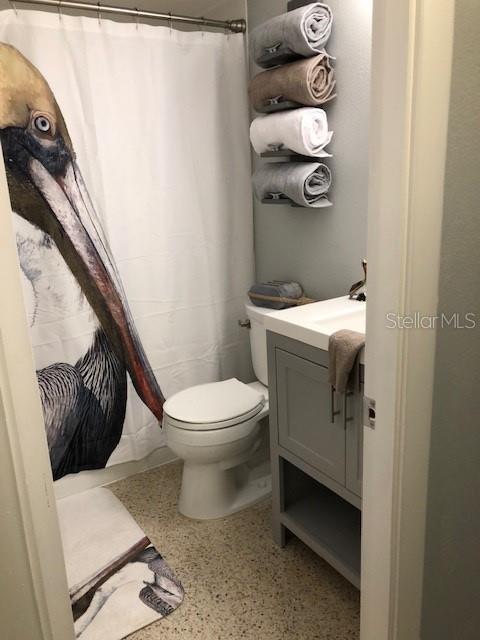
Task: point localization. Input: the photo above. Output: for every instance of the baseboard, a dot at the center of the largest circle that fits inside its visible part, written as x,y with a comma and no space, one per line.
75,483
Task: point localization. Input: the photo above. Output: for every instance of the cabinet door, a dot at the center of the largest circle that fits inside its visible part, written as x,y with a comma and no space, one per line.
354,424
306,426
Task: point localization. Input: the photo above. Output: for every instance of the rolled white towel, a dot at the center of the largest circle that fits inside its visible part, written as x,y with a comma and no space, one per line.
303,32
305,183
304,131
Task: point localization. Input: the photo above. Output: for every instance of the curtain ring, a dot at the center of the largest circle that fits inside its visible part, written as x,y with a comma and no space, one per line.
14,7
203,26
59,10
99,15
137,18
170,24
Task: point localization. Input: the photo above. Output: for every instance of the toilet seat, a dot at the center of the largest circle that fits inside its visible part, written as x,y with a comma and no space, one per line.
213,406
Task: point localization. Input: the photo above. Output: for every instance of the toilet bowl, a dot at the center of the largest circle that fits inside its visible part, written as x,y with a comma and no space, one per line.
216,429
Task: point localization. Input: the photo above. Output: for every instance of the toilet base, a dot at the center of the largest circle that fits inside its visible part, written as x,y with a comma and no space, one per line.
209,492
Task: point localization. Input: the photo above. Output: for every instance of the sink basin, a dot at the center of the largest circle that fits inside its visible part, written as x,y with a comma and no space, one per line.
314,323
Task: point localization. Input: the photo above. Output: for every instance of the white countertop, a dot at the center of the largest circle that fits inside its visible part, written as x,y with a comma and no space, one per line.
314,323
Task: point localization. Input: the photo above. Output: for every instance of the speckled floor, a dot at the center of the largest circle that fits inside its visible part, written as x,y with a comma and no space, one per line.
238,583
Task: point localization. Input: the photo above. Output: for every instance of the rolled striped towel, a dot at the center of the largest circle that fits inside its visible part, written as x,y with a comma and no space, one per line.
307,82
302,32
305,183
304,131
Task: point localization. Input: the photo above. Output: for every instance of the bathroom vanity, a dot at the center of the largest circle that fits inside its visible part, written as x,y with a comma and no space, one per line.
315,434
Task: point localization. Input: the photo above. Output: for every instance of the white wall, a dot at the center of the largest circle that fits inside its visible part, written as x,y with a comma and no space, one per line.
452,555
323,249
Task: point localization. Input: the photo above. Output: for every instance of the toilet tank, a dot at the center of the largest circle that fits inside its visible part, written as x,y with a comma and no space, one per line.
258,340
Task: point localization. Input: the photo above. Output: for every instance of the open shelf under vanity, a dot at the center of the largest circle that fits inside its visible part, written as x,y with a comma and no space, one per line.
323,520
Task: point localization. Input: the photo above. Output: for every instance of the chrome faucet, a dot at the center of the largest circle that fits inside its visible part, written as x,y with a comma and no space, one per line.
358,291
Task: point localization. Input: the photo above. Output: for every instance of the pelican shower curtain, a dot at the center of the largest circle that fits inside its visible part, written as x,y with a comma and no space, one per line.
159,124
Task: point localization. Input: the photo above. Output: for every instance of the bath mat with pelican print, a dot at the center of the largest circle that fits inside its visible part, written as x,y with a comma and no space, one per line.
117,579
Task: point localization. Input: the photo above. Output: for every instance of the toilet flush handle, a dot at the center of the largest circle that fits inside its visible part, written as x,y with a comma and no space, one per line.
245,324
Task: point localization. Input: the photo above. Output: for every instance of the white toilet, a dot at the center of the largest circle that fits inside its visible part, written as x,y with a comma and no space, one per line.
215,428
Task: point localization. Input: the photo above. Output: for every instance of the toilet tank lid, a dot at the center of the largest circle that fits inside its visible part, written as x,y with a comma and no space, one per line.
257,313
213,402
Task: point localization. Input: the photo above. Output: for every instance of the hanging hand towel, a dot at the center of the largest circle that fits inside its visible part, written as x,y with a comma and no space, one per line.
299,33
302,130
343,349
305,183
307,82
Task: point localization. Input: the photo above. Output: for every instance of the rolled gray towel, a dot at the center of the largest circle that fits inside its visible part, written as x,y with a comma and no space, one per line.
303,32
305,183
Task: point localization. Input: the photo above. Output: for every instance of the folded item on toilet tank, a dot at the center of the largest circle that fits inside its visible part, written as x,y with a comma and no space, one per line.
303,130
302,32
281,289
307,82
305,183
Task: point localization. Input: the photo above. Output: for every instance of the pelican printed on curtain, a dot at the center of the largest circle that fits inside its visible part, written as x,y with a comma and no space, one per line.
84,401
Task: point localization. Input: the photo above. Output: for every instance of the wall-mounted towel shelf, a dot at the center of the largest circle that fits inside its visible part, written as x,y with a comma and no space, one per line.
294,169
288,202
284,105
288,153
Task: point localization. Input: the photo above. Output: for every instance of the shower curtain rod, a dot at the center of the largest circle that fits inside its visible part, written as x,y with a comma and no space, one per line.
237,26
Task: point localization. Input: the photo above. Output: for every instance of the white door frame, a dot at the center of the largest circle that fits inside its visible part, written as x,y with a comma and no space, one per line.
34,593
412,44
411,69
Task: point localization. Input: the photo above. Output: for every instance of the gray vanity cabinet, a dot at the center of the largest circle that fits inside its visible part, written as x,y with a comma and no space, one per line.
307,424
316,454
354,441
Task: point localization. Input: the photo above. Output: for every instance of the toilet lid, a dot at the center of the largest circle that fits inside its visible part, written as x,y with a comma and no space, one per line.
216,402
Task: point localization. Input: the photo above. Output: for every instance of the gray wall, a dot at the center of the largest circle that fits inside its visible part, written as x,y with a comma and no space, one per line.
451,604
323,249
